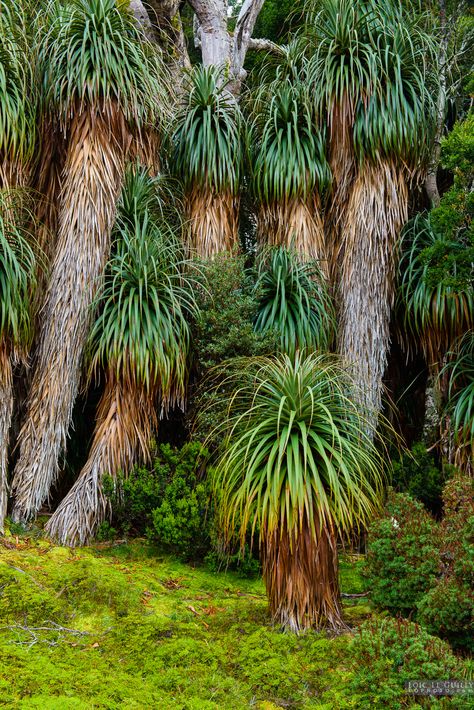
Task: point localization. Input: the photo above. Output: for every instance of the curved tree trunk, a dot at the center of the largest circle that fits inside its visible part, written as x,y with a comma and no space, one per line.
92,179
125,421
213,222
301,578
376,211
6,409
296,224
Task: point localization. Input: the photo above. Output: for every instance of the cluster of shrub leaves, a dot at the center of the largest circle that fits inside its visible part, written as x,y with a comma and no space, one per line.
450,260
170,504
418,473
423,568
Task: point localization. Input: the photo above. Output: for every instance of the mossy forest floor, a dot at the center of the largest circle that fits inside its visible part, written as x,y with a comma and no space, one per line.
123,626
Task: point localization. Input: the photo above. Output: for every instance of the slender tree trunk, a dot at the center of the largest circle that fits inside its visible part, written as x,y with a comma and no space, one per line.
92,180
377,209
125,421
297,224
431,184
6,409
213,222
301,578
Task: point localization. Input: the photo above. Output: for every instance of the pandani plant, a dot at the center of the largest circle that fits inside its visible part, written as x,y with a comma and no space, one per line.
293,301
289,169
17,284
460,406
206,155
141,339
17,98
367,69
298,466
104,85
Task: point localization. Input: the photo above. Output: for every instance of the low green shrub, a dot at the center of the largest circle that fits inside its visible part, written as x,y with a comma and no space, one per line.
402,554
389,652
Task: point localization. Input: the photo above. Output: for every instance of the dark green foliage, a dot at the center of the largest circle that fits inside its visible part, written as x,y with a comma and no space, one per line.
390,652
168,502
425,569
182,520
224,330
417,474
402,556
448,608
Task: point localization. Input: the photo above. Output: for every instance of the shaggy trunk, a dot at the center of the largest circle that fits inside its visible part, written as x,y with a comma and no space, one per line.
377,210
6,409
213,222
125,421
431,181
296,224
92,179
301,578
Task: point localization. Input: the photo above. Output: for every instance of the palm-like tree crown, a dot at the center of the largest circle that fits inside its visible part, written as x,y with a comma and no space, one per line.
434,314
17,92
295,451
142,331
370,59
293,301
461,389
17,272
92,54
206,145
287,148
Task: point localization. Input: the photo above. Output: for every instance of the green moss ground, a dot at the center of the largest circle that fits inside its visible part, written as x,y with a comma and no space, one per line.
156,633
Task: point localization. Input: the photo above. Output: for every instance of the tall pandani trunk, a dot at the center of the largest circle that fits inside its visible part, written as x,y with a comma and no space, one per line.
376,211
92,179
295,224
213,222
6,410
126,419
301,578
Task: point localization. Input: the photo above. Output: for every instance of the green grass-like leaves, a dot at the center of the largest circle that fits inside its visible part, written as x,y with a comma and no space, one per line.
293,301
207,143
296,447
147,299
91,53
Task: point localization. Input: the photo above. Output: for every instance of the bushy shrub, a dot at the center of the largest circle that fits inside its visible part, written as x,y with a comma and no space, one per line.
417,474
402,555
181,523
425,569
448,607
224,331
388,652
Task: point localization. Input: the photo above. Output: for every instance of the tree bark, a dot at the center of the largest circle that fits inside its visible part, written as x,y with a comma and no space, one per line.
6,409
431,184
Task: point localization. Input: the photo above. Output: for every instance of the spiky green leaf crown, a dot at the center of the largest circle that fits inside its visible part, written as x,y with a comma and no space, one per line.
17,90
434,314
287,148
17,272
295,452
461,389
293,301
142,332
370,59
207,142
91,54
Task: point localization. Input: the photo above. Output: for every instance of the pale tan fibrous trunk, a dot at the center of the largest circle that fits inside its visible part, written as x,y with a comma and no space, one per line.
296,224
213,222
301,579
376,211
92,180
6,410
126,419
